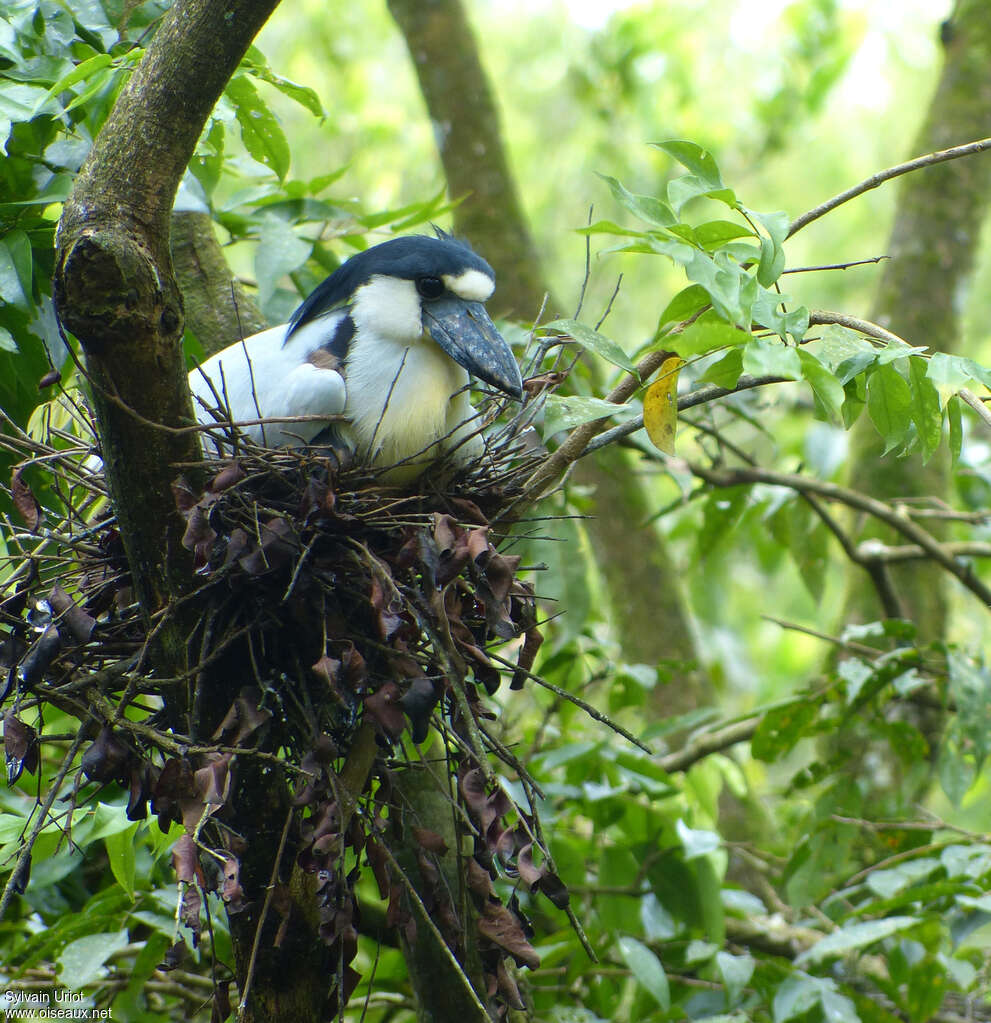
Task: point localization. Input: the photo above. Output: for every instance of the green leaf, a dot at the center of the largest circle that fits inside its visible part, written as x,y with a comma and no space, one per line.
564,412
658,924
889,404
730,288
261,132
927,413
706,336
970,690
696,159
699,951
953,407
772,262
16,269
795,997
79,73
927,986
81,961
279,252
887,883
147,961
855,936
617,869
715,233
725,372
825,386
121,854
685,304
770,357
648,209
301,94
96,85
855,673
646,968
696,843
781,728
682,190
594,341
951,372
7,342
769,309
736,972
609,227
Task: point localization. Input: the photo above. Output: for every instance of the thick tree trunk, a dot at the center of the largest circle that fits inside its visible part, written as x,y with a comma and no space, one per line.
933,245
649,613
114,287
115,290
462,109
218,309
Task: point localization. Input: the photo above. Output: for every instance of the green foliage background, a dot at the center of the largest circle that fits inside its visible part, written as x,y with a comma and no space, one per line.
835,898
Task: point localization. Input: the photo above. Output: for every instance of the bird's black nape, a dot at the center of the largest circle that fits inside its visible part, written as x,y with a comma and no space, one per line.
407,258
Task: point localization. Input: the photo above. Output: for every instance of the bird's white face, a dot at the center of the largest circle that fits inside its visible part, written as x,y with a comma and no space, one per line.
390,306
387,307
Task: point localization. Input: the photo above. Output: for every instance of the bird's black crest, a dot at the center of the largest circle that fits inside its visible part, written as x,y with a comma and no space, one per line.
406,258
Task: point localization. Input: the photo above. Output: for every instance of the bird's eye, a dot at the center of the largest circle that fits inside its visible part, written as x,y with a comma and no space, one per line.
430,287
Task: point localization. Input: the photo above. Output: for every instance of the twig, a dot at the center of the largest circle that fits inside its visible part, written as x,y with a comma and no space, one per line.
709,743
596,715
269,894
834,266
976,404
25,854
823,316
832,492
880,177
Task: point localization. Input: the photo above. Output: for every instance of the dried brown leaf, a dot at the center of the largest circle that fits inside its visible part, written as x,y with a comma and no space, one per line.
76,621
20,747
24,501
503,929
429,840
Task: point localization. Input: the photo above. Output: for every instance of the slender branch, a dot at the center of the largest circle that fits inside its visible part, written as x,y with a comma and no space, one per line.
688,401
832,492
266,904
16,874
591,711
976,404
929,160
822,316
874,550
834,266
709,743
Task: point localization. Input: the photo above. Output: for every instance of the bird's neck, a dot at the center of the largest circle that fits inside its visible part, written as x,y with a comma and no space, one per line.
400,397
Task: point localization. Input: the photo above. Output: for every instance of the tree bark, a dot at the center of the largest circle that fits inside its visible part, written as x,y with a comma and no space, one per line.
114,287
441,995
115,290
651,620
933,246
219,311
463,111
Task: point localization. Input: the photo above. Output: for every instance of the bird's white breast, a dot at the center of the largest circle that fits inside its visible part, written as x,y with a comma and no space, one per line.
400,396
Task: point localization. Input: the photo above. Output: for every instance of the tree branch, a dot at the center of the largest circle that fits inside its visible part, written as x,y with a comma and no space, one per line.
878,509
114,287
929,160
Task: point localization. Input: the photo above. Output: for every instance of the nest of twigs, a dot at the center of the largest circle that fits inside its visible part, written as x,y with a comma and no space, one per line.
333,625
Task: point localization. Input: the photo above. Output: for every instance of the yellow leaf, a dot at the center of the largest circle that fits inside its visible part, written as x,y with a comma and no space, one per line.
660,406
